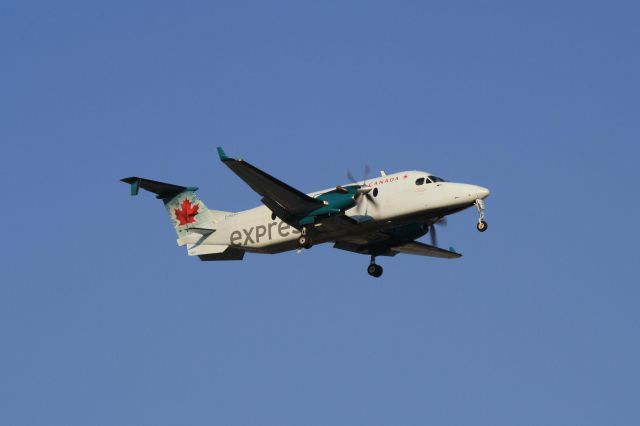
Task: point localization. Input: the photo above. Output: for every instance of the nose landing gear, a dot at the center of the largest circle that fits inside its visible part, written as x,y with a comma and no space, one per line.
374,269
482,225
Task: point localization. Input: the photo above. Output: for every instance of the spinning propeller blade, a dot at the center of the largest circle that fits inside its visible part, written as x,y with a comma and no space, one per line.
434,237
432,230
363,189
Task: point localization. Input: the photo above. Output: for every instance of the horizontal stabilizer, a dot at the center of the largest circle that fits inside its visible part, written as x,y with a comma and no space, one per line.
196,250
201,231
161,189
194,236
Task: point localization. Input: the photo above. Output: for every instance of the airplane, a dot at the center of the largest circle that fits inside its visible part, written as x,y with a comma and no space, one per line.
383,216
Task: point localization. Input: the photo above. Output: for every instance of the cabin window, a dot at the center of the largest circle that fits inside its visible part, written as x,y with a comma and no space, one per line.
420,181
375,192
273,216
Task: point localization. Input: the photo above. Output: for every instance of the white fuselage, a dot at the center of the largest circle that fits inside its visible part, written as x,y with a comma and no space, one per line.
397,200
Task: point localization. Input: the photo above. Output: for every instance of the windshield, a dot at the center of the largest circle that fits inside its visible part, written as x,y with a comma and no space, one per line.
436,179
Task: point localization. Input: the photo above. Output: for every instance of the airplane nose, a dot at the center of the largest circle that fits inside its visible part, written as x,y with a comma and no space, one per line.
482,193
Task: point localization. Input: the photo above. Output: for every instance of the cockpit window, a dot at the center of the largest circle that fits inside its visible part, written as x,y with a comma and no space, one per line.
436,179
420,181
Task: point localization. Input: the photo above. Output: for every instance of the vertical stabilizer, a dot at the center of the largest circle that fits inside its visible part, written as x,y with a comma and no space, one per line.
186,211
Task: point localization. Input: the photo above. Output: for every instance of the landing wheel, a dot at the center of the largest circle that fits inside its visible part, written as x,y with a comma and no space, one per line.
374,270
378,271
305,241
482,226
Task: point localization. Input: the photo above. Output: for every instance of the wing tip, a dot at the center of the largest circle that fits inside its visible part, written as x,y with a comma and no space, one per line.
134,181
453,251
223,156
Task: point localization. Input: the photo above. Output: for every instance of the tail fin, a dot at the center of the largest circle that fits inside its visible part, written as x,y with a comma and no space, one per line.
186,211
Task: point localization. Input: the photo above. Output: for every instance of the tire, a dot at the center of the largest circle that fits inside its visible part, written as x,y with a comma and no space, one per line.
378,272
372,269
482,226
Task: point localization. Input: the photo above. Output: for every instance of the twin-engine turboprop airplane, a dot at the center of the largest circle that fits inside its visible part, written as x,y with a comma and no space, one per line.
379,217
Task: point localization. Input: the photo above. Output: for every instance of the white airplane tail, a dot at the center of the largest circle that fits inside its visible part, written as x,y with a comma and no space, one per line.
190,217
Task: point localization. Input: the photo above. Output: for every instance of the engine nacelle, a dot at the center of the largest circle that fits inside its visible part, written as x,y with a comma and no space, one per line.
335,202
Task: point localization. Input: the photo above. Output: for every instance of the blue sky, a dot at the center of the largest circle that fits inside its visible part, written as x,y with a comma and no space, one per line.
104,320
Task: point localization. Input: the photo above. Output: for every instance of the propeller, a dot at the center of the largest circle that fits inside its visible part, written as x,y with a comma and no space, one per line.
367,170
363,189
432,230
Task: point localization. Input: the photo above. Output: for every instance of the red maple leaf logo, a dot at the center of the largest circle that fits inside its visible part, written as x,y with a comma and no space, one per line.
187,212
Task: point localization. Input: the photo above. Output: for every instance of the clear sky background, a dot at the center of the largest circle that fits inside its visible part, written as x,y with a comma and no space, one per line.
105,321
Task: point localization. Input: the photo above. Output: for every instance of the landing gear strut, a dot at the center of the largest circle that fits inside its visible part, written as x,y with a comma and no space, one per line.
482,225
373,269
304,240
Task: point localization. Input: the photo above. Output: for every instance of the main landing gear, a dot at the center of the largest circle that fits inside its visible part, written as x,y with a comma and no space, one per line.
482,225
374,269
304,240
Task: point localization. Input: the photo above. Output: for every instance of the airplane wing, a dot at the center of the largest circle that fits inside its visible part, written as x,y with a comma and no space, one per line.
380,243
422,249
284,200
